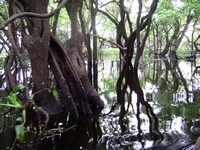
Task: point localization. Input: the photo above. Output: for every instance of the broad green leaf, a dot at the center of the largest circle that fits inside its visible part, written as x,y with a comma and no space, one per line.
19,129
15,89
13,99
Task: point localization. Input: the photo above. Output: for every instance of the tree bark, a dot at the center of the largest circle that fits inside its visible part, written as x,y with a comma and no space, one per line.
37,44
76,91
74,50
93,28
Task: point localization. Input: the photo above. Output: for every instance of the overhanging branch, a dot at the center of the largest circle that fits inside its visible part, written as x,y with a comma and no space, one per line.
123,48
30,14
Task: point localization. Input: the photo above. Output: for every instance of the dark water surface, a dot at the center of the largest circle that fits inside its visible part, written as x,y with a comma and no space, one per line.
170,87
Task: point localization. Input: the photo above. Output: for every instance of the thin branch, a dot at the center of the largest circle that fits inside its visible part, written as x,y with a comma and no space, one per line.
114,20
40,109
30,14
57,134
123,48
16,50
103,5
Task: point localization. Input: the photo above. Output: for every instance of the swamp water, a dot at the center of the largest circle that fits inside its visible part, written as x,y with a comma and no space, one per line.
172,90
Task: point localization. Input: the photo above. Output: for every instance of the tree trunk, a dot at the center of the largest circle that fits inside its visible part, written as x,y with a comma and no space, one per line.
77,96
37,44
95,59
74,50
76,91
87,39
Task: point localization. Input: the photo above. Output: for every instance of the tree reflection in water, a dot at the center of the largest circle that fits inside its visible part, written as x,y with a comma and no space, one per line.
166,94
164,101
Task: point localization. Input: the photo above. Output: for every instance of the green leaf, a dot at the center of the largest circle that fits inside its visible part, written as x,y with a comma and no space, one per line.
10,105
19,129
19,119
13,99
15,89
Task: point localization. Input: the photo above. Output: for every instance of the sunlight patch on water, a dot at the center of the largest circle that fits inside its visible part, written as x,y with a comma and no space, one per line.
142,145
177,124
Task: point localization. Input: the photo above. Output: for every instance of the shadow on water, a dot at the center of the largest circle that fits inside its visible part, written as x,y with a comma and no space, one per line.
161,113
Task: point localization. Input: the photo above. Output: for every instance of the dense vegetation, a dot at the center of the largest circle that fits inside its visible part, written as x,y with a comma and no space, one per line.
49,61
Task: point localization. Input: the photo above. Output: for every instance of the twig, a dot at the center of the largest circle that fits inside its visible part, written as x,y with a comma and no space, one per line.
30,14
43,111
16,50
119,46
56,134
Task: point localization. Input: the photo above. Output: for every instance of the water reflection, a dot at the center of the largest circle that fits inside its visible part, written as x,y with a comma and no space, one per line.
170,88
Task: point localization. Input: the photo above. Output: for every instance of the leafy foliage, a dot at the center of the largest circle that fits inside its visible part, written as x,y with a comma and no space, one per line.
13,101
3,11
20,129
